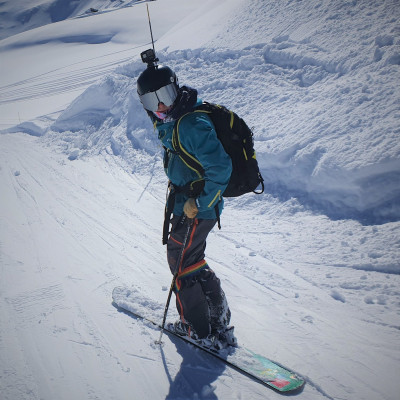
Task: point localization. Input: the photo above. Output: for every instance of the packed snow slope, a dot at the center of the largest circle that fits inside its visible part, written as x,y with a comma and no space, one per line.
310,268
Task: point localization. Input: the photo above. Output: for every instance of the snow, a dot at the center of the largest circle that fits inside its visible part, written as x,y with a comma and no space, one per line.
310,268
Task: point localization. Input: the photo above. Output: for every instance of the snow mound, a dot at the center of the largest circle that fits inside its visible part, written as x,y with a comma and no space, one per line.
313,141
108,117
134,300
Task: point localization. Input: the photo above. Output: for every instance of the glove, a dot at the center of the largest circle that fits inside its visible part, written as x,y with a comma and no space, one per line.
190,208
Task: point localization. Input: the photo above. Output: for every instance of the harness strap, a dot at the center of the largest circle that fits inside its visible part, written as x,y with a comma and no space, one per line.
169,208
217,215
191,189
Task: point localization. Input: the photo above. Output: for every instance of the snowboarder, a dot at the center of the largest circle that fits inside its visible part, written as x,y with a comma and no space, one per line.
194,200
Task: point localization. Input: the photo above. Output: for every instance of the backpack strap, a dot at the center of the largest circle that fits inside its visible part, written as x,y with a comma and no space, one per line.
190,161
192,189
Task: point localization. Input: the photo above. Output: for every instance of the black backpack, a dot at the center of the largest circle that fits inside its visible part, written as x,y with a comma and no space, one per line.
237,140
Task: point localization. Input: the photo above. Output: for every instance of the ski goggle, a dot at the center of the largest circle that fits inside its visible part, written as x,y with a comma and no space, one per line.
166,95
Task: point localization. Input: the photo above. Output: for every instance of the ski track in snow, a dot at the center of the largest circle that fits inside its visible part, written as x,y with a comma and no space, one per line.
273,301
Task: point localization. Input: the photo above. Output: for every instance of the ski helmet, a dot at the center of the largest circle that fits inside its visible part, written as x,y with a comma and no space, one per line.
157,84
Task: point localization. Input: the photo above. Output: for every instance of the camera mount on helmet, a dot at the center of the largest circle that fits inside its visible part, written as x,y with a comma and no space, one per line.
149,57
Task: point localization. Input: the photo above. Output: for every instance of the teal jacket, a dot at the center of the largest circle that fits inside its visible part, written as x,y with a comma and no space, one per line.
198,137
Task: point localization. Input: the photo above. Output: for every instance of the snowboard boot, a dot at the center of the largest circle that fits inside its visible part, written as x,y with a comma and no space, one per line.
183,329
211,342
217,341
227,336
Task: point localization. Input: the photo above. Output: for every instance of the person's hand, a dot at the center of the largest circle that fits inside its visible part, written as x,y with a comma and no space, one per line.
190,208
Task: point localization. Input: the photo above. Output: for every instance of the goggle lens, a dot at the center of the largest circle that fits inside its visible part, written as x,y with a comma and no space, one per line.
166,95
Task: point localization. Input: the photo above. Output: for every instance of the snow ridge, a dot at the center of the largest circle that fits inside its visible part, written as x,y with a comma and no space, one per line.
331,159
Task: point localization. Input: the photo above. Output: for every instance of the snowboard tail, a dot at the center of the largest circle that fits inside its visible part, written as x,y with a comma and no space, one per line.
247,362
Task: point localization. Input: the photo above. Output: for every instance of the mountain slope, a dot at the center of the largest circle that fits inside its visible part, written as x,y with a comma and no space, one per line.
310,268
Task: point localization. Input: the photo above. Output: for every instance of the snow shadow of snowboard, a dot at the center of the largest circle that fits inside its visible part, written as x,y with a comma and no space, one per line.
197,370
196,374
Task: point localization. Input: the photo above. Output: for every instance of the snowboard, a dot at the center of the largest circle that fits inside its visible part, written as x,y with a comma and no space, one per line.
132,301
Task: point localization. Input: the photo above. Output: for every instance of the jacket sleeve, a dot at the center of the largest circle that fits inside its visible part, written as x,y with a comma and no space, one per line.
198,137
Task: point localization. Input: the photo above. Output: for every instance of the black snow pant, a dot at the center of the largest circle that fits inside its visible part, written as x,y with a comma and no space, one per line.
200,300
